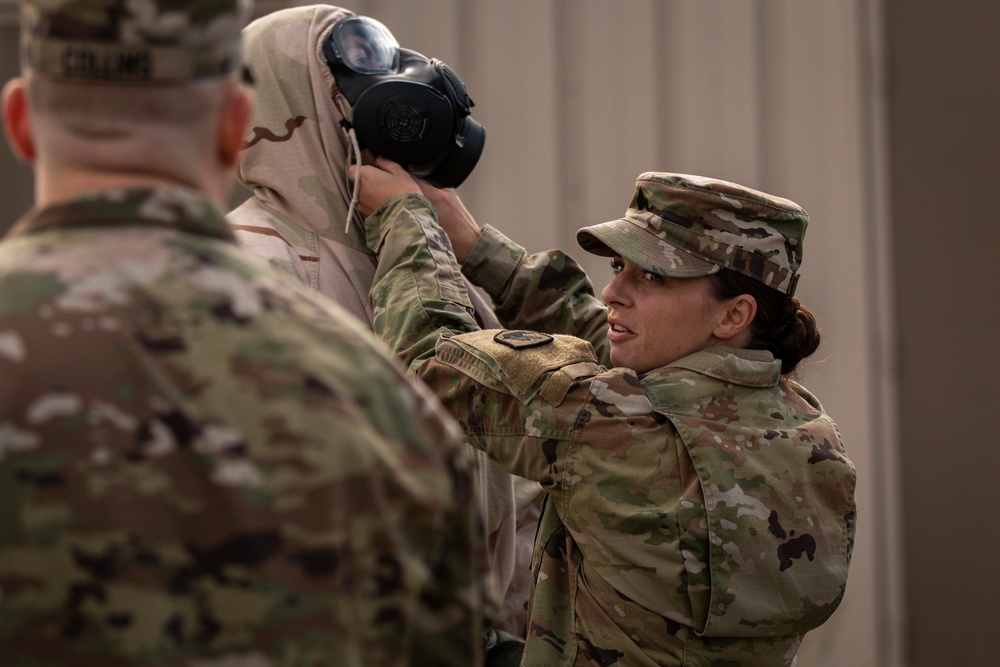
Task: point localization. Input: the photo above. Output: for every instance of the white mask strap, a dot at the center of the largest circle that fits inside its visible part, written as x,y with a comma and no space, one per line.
353,150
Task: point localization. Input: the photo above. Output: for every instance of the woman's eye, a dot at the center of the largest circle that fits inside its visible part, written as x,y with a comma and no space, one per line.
652,277
616,267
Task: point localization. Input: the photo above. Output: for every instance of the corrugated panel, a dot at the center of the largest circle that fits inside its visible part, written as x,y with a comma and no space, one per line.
580,96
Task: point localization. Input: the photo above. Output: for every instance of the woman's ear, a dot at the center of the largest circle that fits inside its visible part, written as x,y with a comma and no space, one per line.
738,312
16,123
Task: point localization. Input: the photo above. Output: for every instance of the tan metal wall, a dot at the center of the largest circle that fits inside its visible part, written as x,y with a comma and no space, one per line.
580,96
946,196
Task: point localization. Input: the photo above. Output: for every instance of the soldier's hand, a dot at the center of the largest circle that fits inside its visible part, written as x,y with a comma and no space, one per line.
380,183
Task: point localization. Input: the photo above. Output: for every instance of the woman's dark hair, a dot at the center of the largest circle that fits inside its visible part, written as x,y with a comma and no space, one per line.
782,326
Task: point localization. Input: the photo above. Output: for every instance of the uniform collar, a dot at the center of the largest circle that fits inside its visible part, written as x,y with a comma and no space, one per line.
751,368
178,208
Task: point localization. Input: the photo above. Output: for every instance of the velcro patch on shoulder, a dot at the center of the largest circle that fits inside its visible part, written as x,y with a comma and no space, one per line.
520,338
491,359
555,387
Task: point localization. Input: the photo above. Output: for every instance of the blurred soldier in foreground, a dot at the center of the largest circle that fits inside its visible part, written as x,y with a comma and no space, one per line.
200,463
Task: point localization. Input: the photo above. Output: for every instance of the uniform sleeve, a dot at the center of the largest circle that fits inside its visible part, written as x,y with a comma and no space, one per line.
546,291
512,401
418,292
504,387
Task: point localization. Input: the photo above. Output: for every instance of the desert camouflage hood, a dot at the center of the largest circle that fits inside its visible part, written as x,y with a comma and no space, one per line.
294,163
295,151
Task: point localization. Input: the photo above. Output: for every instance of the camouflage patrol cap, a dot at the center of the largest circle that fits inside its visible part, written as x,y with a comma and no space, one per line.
132,41
687,226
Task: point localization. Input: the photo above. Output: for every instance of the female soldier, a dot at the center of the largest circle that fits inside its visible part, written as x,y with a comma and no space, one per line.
700,505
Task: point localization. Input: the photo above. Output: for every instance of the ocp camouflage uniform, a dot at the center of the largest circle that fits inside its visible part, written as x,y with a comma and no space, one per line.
202,464
698,514
294,164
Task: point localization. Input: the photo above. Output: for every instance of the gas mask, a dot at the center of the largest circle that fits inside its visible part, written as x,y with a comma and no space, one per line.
403,106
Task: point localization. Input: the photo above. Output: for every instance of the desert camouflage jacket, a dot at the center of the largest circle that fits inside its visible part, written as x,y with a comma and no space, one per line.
698,514
294,161
294,164
202,464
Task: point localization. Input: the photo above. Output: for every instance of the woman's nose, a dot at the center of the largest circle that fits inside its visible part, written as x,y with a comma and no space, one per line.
612,292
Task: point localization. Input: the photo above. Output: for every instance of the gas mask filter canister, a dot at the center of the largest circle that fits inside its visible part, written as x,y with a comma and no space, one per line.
410,109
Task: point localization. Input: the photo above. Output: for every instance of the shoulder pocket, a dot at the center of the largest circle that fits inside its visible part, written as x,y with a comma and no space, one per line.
520,363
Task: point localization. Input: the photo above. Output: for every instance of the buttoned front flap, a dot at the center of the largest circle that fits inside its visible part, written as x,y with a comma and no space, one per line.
778,493
520,363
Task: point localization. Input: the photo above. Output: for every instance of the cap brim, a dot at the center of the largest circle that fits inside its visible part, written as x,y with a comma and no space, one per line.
634,242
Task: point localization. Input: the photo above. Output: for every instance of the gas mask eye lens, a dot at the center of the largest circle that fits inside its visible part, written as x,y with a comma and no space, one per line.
364,45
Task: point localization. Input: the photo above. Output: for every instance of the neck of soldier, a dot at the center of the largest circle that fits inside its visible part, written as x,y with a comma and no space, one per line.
54,184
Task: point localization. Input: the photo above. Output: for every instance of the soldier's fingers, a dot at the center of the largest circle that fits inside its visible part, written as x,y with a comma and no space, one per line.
385,164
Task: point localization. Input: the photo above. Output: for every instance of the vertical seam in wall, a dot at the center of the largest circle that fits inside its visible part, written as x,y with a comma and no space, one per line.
872,300
8,14
464,40
763,176
881,333
661,97
564,162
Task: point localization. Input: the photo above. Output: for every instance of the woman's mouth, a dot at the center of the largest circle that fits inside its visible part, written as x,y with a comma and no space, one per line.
617,332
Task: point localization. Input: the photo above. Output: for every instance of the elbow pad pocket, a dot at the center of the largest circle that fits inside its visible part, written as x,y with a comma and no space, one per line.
520,363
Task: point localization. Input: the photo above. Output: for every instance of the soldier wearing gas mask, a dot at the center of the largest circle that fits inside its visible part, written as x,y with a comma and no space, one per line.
402,105
332,86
